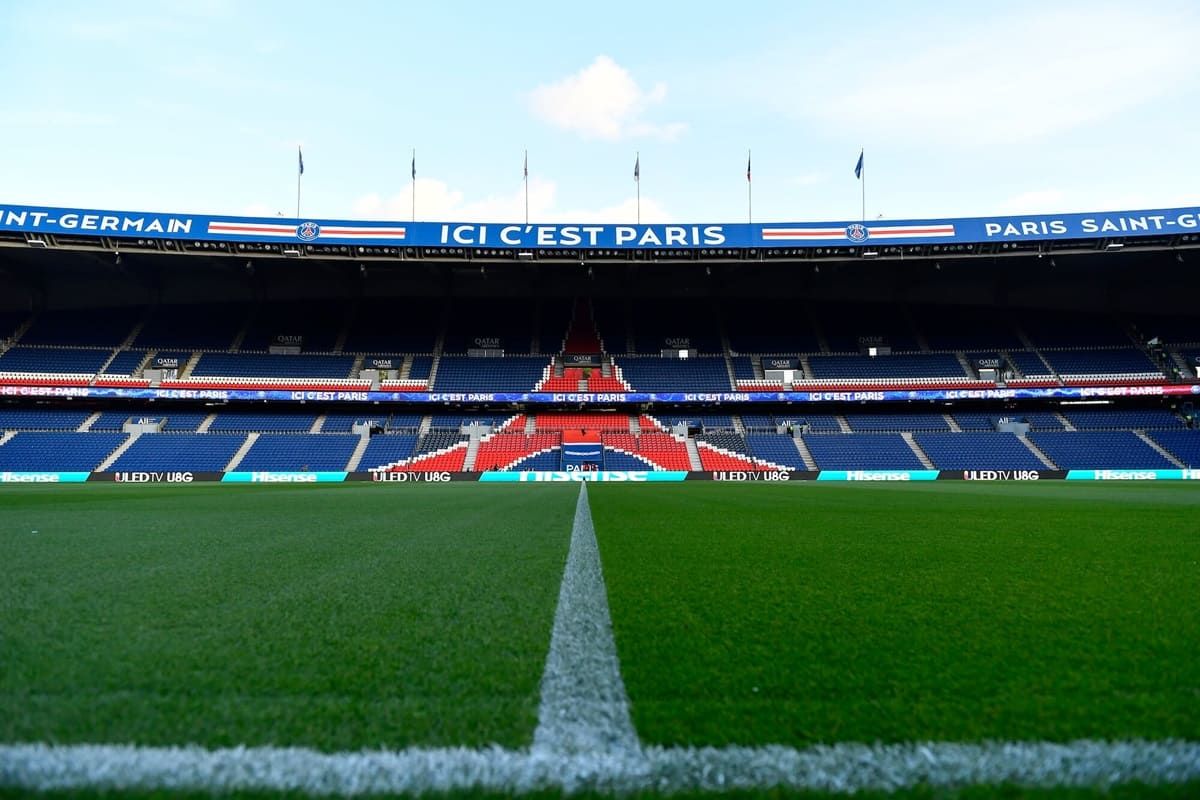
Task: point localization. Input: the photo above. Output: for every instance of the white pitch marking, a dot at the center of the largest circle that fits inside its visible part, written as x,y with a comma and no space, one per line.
583,708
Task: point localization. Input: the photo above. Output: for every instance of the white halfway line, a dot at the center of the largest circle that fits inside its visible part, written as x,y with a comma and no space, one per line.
585,740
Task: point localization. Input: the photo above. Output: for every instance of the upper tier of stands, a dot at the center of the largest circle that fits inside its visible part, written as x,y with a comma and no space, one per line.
930,344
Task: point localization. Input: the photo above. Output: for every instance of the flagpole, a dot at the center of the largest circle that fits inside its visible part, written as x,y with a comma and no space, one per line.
414,184
864,188
527,186
637,178
299,174
749,192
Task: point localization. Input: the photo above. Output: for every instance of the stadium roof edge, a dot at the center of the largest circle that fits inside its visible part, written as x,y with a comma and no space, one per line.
73,228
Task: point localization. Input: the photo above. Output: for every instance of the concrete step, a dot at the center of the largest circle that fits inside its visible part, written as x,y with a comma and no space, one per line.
107,463
251,438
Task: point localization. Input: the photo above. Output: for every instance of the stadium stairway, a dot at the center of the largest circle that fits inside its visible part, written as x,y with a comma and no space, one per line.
1159,448
5,436
356,456
87,424
805,453
107,463
694,455
251,438
917,451
1037,451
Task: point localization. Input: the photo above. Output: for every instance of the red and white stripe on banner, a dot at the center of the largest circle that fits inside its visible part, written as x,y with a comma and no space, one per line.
285,231
874,232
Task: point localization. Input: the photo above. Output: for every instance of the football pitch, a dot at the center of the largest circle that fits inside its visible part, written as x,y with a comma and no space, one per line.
965,638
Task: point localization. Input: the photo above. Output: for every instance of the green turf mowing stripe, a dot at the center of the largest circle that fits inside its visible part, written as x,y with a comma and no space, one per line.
796,615
334,618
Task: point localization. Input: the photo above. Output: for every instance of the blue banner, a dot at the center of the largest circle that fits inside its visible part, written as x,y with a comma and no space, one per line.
607,398
470,235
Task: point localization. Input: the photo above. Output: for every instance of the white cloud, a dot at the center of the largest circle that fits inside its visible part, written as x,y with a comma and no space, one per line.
436,200
1010,79
603,101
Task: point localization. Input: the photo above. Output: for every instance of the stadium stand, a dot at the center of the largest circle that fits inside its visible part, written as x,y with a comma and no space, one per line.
776,448
265,365
1098,450
847,327
315,326
702,374
83,327
667,324
39,419
1183,444
52,359
509,374
861,451
262,422
1122,419
282,451
502,323
1066,329
777,327
388,449
865,423
125,362
892,367
400,325
170,452
192,327
976,450
57,452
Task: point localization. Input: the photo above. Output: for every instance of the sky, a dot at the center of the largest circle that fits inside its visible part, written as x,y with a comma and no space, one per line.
962,109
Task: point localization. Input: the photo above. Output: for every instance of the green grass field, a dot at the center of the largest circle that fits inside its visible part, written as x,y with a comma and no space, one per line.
337,619
805,614
345,617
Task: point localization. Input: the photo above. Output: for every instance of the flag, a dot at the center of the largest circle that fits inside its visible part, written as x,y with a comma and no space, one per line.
858,168
300,155
414,165
527,164
637,168
747,167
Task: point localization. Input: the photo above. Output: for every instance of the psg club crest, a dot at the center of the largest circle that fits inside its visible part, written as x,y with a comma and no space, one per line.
307,231
856,232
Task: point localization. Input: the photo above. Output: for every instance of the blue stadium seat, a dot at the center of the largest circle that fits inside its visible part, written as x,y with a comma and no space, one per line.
265,365
52,359
249,421
703,374
975,450
1098,450
387,449
1183,444
776,448
862,451
311,452
57,452
41,419
179,452
509,374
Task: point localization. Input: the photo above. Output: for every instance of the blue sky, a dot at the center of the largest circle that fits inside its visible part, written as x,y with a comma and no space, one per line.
980,109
